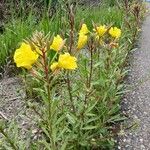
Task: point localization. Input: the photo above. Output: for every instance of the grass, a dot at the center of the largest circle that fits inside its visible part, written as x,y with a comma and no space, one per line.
101,15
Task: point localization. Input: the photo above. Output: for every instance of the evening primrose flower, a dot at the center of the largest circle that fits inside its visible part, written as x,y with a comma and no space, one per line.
25,57
82,41
101,30
84,30
115,32
57,43
65,61
54,66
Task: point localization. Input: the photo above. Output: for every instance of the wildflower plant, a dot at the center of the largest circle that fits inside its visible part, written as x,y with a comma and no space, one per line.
77,77
73,85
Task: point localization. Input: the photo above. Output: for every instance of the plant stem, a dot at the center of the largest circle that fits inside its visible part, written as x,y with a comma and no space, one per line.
45,64
47,80
91,65
69,91
49,99
71,17
50,116
89,78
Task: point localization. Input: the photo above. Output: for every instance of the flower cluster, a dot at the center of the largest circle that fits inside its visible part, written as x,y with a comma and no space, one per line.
29,52
82,37
27,55
107,35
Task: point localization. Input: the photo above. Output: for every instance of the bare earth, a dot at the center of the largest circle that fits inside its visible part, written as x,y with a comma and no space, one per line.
10,98
13,107
136,103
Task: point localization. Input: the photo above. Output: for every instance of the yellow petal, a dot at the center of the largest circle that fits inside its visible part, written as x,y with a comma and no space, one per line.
82,41
57,43
25,57
67,61
101,30
84,29
115,32
54,66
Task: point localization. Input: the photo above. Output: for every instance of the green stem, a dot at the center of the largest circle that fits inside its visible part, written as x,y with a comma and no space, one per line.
91,66
49,100
50,116
72,22
69,90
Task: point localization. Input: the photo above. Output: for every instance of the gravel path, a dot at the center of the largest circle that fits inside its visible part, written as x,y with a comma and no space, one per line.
10,98
13,107
136,103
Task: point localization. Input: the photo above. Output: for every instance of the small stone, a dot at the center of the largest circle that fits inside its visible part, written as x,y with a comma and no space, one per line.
142,147
124,140
141,140
127,146
34,131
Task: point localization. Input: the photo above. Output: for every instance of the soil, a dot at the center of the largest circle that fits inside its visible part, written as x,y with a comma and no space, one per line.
13,107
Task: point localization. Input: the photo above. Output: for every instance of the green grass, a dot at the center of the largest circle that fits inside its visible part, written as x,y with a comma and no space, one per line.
14,32
19,28
101,15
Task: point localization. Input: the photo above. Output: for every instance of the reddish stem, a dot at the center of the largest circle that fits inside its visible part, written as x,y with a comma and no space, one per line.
45,63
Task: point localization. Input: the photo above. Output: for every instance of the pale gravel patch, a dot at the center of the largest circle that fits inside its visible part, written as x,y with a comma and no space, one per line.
13,107
136,103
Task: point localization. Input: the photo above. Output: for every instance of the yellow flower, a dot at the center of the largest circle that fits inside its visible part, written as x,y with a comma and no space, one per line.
67,61
25,57
54,66
84,30
82,41
101,30
57,43
115,32
35,48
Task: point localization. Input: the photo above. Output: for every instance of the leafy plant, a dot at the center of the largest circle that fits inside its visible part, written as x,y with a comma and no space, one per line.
77,78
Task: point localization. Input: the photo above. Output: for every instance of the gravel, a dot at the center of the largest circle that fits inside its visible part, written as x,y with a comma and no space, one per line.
10,97
136,103
13,108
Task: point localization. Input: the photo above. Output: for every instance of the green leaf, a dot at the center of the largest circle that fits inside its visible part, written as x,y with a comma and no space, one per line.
45,131
92,119
72,119
116,118
90,127
91,108
61,133
60,119
64,145
47,145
